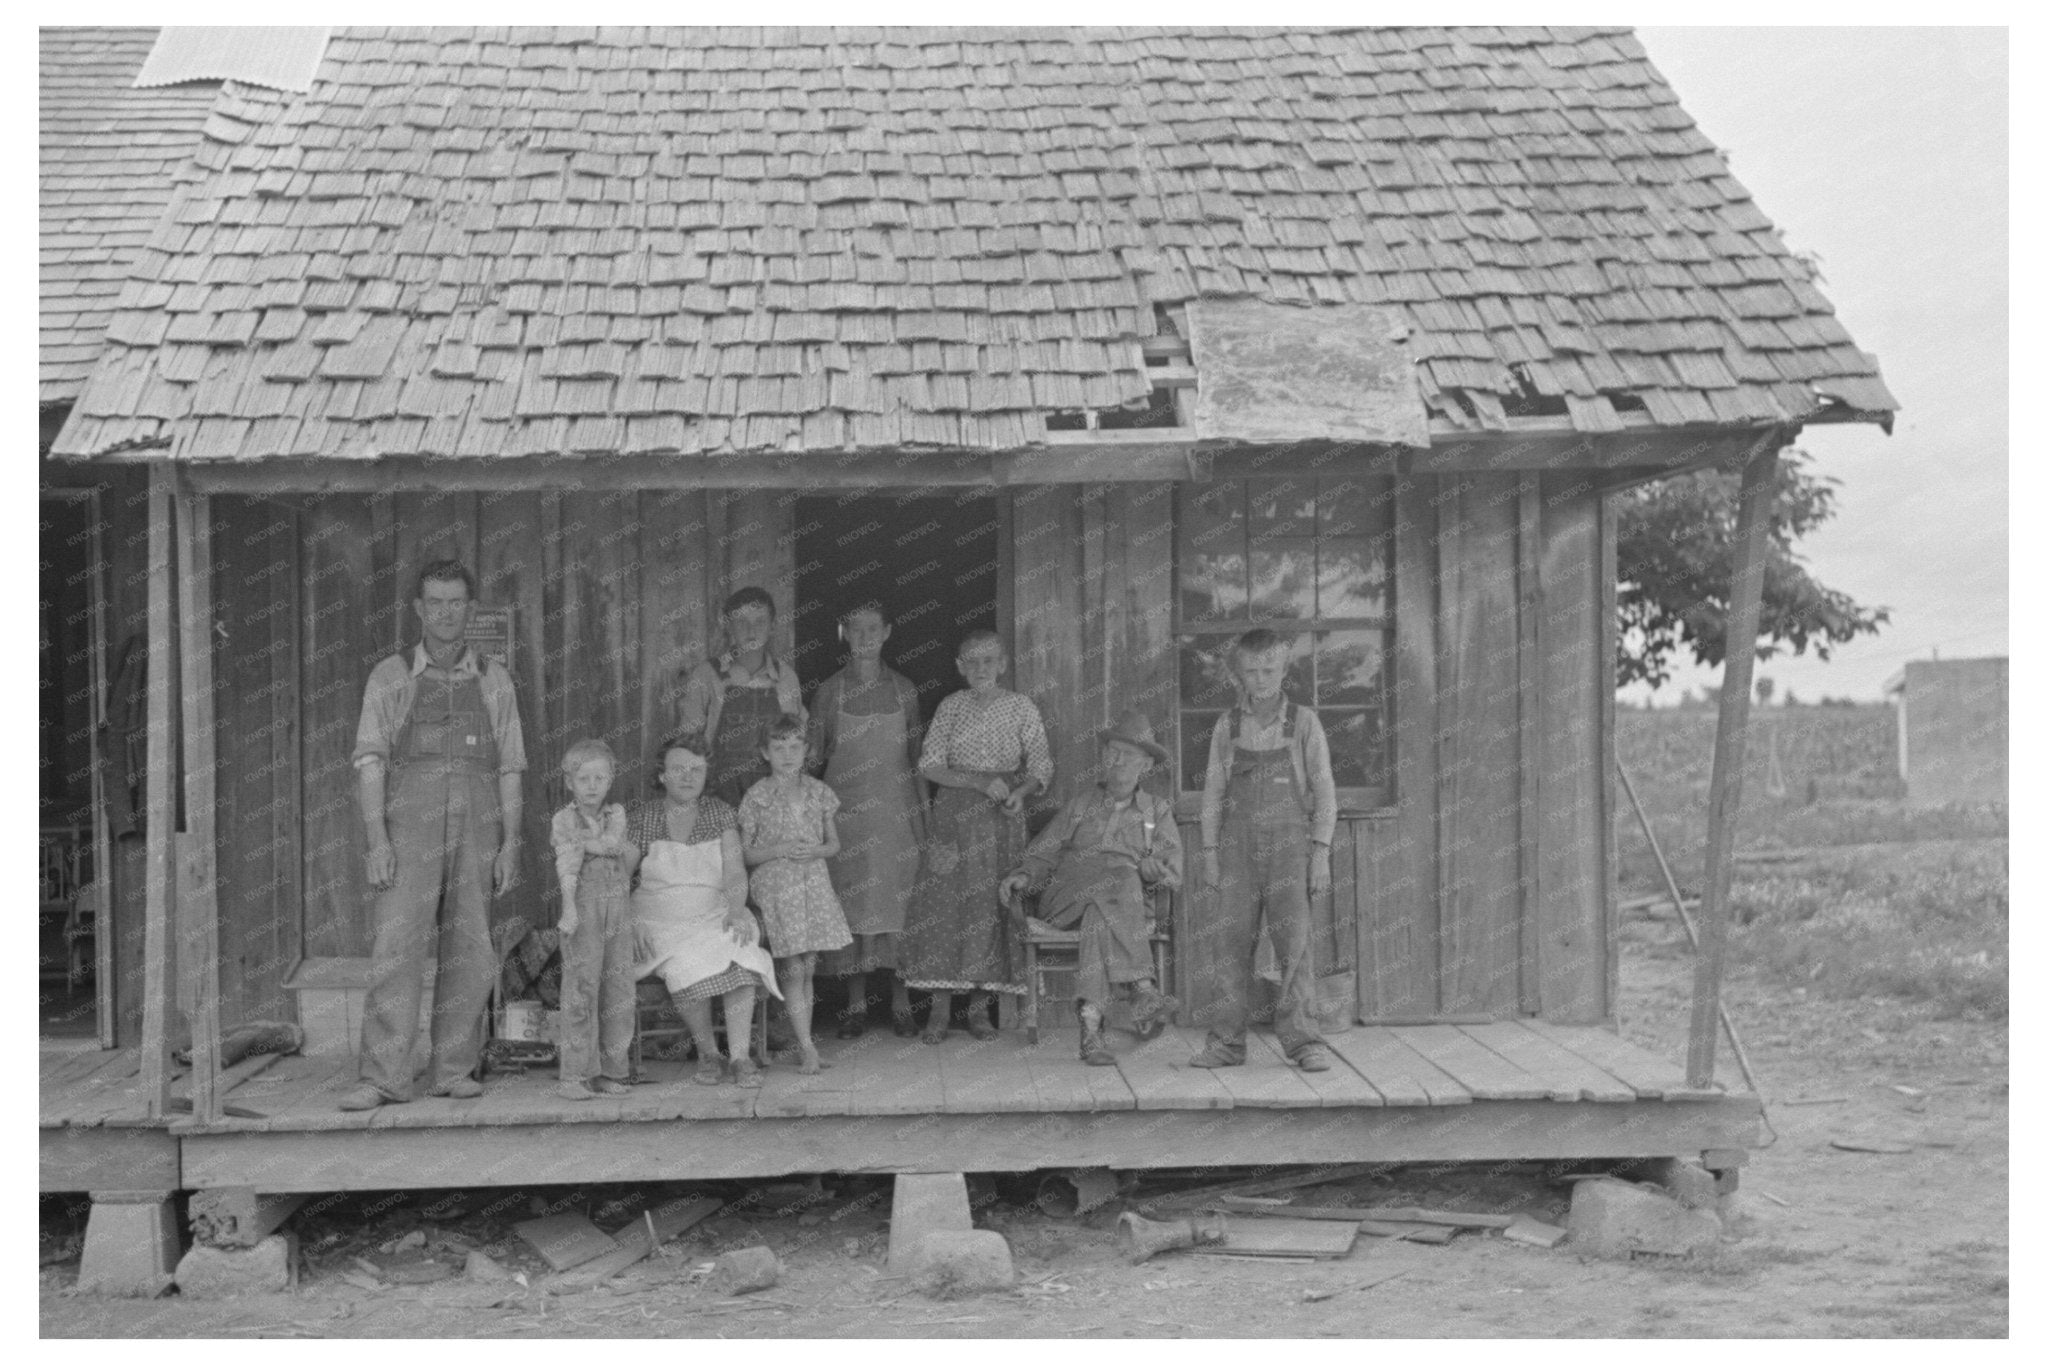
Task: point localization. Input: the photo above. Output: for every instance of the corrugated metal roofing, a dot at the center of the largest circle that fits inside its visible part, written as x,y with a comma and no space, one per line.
106,157
537,241
279,58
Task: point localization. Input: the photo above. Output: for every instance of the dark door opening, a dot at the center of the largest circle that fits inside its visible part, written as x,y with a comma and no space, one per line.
932,561
71,897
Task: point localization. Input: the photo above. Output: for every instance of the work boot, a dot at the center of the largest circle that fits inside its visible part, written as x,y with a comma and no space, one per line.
1313,1057
461,1088
1150,1010
361,1097
1215,1055
1094,1048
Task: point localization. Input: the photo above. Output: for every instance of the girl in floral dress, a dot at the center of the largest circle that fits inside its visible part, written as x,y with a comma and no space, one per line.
787,833
986,752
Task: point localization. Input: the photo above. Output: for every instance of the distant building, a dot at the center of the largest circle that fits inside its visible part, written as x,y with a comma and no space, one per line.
1952,730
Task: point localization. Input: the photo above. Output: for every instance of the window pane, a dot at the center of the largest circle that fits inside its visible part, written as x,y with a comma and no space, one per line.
1205,680
1211,561
1351,578
1282,507
1350,668
1358,755
1195,729
1212,517
1283,583
1212,587
1355,507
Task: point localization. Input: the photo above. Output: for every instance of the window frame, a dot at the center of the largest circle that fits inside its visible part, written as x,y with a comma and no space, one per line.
1353,800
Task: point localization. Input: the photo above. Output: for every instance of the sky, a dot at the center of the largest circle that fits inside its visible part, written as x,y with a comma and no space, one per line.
1883,151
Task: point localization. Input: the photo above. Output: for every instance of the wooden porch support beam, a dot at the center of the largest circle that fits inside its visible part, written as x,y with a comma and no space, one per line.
158,880
1724,794
198,900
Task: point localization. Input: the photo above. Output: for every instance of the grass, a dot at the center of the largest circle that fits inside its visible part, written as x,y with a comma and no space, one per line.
1926,925
1888,900
1814,776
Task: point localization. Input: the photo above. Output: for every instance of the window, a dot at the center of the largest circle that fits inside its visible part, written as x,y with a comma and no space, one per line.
1310,559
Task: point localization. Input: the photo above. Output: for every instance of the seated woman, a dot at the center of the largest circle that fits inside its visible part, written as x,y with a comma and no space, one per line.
690,911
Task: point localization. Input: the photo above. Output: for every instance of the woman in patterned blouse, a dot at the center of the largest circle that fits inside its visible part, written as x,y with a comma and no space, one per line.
987,754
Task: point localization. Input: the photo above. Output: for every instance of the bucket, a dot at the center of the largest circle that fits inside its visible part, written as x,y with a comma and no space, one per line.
523,1021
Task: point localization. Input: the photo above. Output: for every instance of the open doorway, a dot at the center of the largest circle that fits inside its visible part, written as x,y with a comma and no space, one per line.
73,959
933,561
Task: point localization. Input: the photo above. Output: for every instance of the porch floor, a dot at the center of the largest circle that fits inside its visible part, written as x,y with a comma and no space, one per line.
1503,1090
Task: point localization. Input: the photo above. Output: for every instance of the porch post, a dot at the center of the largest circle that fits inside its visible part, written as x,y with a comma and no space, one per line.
159,884
197,900
1724,794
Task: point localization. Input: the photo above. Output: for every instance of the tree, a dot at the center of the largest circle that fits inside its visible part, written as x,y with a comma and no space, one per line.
1674,557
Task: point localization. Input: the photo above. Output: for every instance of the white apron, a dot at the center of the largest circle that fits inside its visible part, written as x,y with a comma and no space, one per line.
679,918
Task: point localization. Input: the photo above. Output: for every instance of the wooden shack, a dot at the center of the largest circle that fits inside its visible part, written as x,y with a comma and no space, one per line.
1119,341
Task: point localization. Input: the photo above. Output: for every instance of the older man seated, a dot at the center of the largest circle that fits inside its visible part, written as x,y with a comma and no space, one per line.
1092,866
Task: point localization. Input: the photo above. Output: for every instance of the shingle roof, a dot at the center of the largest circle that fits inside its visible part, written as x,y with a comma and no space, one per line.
107,154
538,241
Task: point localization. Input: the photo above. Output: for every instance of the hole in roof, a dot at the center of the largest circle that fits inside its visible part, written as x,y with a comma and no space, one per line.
1626,402
1525,401
1158,412
1066,421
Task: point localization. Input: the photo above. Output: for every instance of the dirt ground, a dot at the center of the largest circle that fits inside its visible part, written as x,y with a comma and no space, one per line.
1829,1242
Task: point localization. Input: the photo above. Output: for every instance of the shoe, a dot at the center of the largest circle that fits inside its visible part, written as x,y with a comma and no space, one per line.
361,1097
1214,1056
905,1026
746,1074
852,1026
461,1088
935,1033
710,1071
1150,1013
574,1090
1094,1051
978,1026
605,1085
1313,1057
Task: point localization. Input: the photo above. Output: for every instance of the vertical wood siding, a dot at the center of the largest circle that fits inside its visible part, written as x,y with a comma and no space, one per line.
1485,888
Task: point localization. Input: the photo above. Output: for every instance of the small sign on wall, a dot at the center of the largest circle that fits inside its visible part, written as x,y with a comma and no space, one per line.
490,634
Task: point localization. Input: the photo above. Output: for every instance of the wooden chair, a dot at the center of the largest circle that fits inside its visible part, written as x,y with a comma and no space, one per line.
1048,950
655,1016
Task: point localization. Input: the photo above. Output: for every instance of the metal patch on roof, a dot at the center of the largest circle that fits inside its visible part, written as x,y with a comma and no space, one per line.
280,58
1273,373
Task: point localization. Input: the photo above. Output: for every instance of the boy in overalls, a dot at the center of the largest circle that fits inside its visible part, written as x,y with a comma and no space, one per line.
732,700
1269,810
438,761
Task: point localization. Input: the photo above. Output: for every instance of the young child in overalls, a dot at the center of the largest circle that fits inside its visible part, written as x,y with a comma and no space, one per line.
731,701
594,862
1269,809
1092,867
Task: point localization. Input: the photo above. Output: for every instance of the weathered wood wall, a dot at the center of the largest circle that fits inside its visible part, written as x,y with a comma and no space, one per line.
1484,889
615,593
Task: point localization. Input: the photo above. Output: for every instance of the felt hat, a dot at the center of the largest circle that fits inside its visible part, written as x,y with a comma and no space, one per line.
1135,730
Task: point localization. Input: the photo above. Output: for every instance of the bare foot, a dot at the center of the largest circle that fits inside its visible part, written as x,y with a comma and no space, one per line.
811,1064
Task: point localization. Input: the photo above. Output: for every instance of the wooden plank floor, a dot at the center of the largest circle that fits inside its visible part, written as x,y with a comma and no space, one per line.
880,1075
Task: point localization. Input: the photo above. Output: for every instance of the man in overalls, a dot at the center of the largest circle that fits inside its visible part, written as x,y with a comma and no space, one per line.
1092,866
1269,809
733,700
438,761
